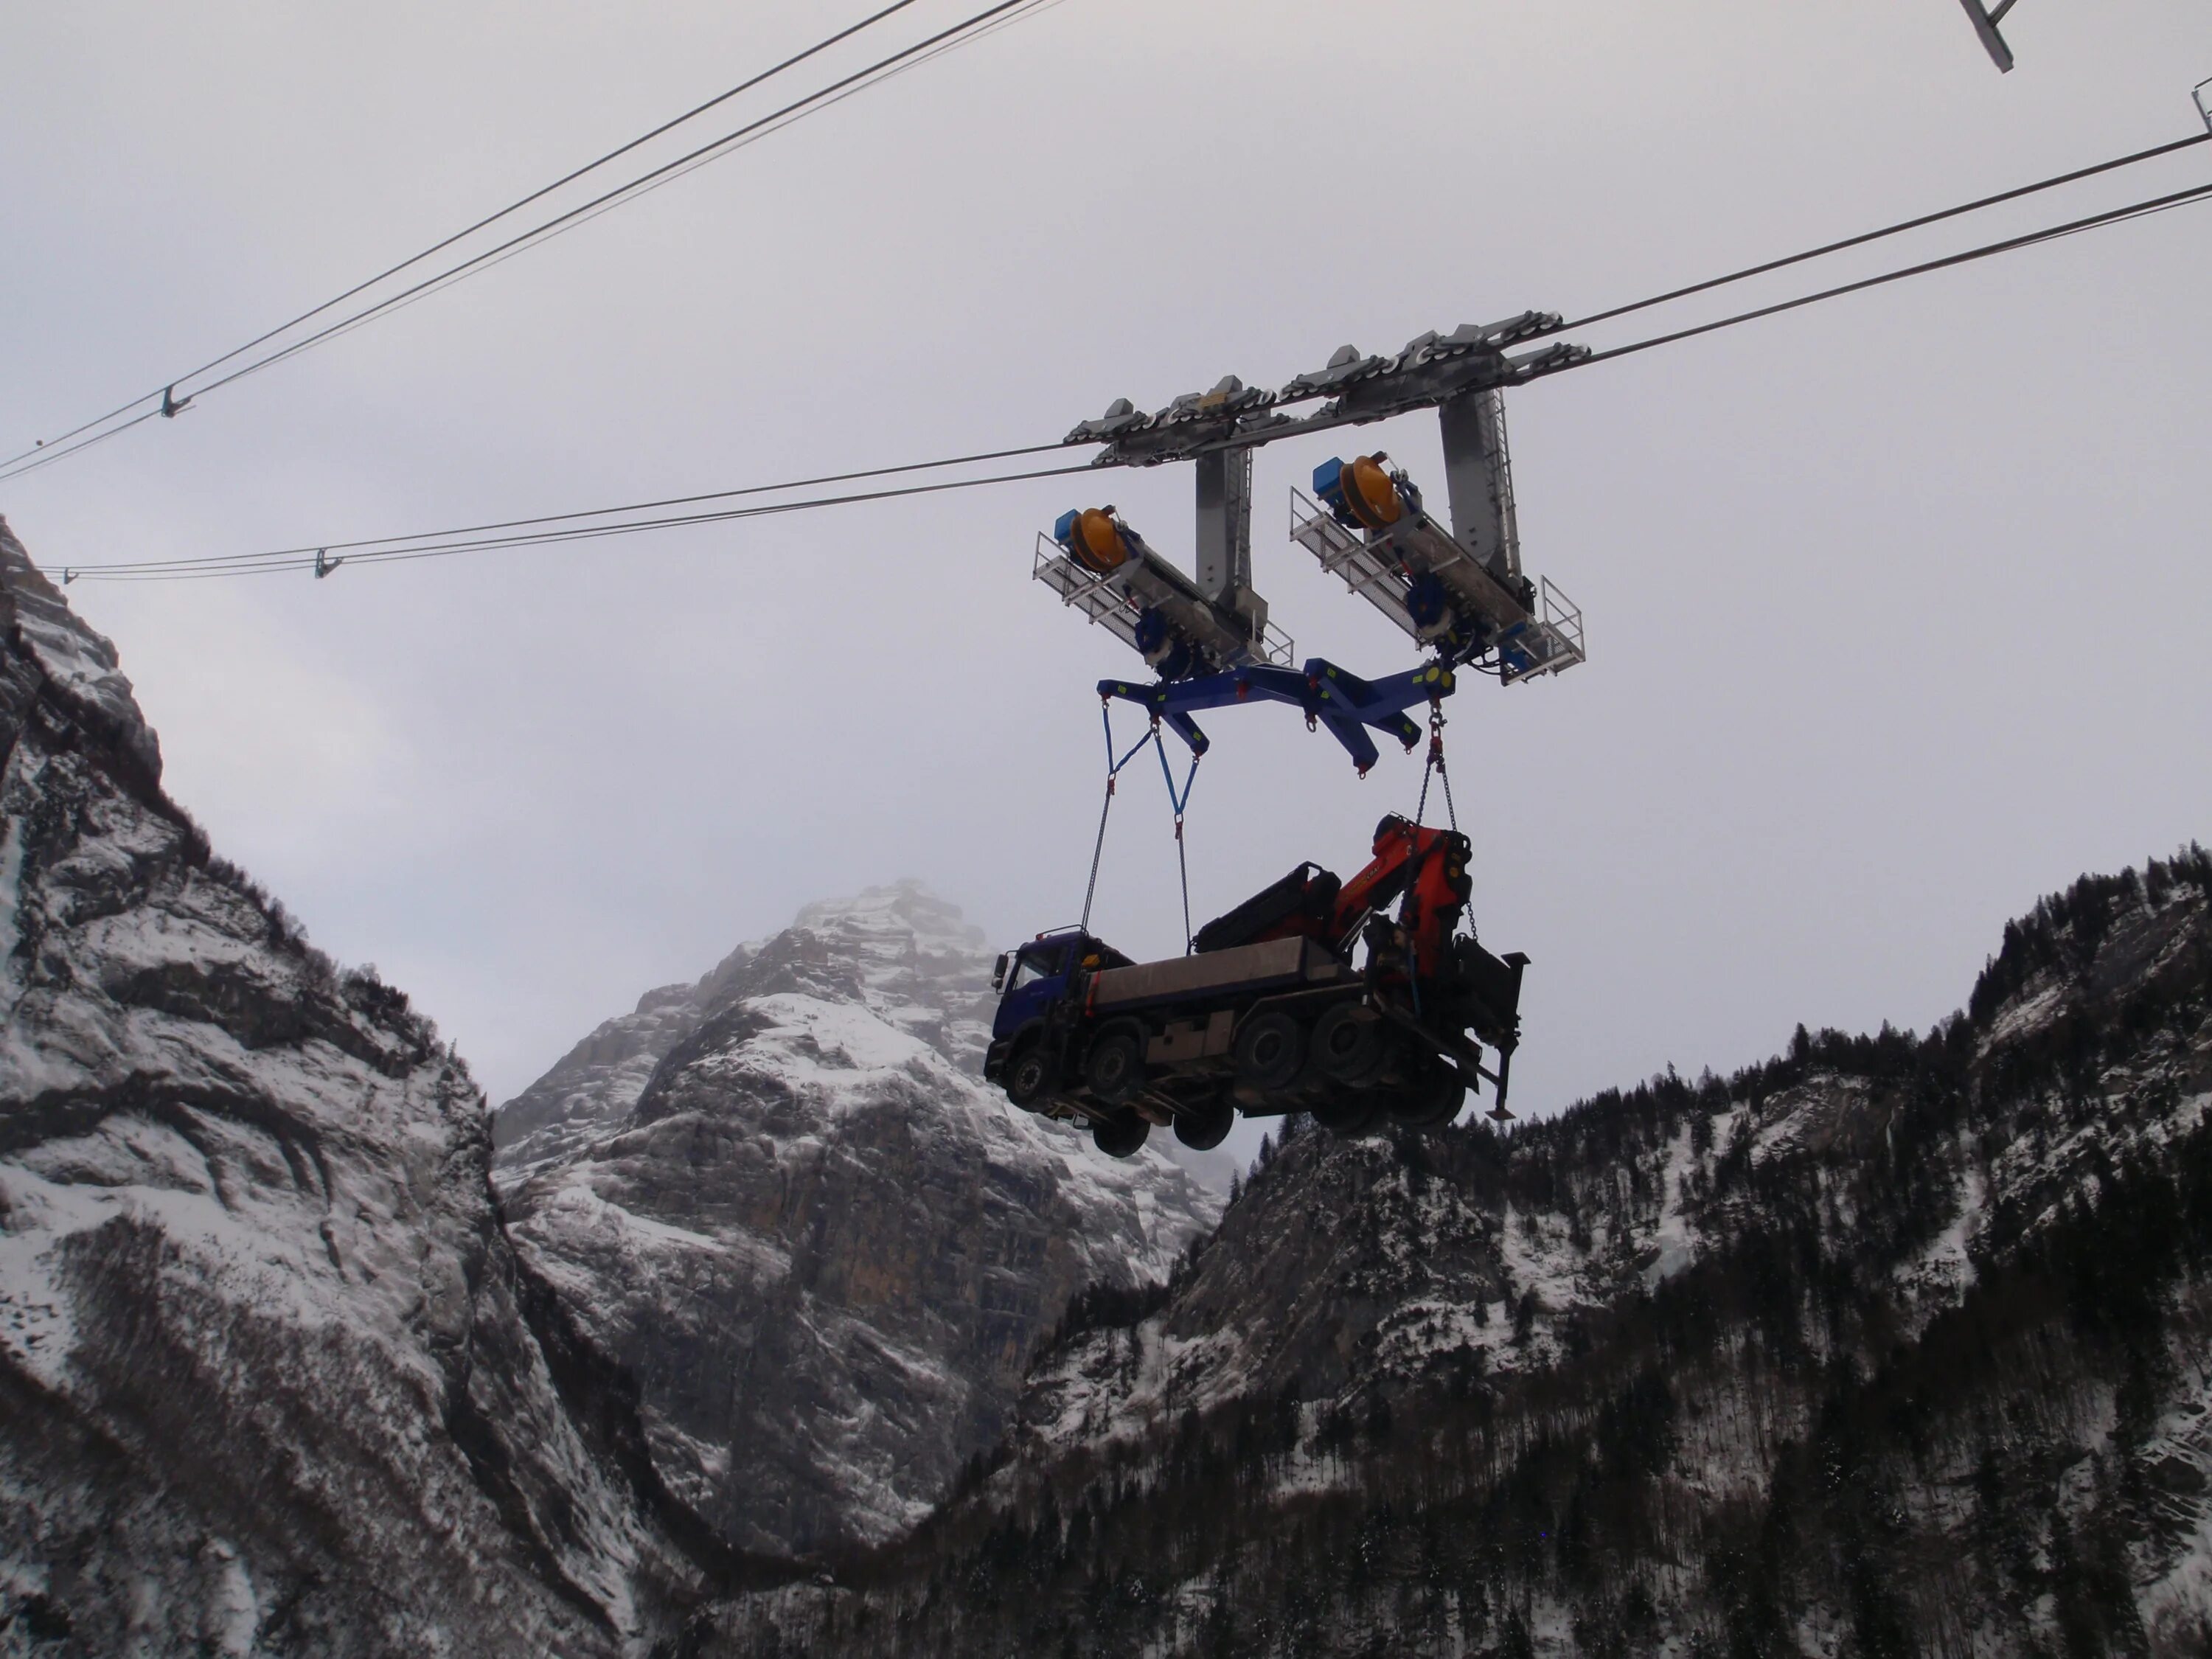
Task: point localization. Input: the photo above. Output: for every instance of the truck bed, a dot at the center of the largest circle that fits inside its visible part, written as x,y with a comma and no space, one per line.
1281,962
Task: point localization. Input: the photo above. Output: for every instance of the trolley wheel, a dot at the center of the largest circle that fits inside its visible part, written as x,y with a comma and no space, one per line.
1030,1077
1121,1135
1202,1128
1271,1051
1348,1044
1114,1069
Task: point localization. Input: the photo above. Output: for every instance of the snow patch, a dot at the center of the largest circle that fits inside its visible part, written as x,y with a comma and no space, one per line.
1677,1247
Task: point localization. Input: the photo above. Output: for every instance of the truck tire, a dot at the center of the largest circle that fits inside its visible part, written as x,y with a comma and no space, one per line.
1202,1128
1121,1135
1348,1044
1031,1076
1114,1069
1346,1115
1432,1099
1271,1051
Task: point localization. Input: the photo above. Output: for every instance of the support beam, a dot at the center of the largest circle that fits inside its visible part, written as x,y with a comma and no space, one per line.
1224,525
1479,478
1985,25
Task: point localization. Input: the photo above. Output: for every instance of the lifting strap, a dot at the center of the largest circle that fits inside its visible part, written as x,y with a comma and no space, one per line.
1179,802
1177,799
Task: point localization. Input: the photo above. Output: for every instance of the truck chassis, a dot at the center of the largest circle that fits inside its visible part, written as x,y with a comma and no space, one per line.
1278,1023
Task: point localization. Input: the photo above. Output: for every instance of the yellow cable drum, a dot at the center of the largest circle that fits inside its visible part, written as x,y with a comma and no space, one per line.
1370,493
1096,542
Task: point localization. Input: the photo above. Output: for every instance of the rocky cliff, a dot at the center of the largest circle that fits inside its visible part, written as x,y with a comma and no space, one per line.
272,1380
1895,1344
275,1376
781,1197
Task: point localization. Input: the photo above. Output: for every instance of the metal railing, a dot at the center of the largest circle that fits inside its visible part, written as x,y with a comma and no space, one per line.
1108,605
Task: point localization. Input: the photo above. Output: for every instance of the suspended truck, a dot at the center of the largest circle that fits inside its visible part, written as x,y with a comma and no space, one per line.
1269,1013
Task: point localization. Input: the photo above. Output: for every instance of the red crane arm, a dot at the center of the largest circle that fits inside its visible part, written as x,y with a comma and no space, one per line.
1433,862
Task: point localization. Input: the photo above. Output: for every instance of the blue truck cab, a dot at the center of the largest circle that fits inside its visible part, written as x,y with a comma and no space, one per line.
1035,978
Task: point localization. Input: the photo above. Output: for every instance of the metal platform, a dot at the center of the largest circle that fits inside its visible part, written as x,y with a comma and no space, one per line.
1105,601
1535,629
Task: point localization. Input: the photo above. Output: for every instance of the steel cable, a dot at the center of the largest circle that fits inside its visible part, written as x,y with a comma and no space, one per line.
970,28
212,568
1898,228
2093,221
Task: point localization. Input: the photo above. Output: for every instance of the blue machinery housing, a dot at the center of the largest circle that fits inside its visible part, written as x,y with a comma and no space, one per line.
1328,696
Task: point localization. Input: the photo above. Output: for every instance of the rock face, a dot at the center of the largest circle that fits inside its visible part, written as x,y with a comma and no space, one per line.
821,1246
270,1379
1892,1346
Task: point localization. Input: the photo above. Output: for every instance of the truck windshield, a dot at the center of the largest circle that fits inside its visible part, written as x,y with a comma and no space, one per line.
1041,965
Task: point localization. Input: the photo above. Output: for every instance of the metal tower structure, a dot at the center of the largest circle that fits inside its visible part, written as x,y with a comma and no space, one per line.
1458,593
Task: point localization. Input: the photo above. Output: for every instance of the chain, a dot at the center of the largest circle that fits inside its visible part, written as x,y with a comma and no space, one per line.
1436,760
1436,766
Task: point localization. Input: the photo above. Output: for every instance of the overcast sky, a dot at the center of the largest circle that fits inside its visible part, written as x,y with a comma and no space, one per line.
1897,606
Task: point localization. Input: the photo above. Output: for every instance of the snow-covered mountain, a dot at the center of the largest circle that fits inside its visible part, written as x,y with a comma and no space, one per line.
1894,1344
271,1378
822,1248
906,956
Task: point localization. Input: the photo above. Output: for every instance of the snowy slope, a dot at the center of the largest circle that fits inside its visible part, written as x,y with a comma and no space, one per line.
266,1380
783,1199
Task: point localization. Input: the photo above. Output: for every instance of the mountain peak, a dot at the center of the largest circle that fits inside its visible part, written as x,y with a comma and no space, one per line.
784,1197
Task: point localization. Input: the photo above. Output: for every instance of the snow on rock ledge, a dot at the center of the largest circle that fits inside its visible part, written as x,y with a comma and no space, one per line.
823,1247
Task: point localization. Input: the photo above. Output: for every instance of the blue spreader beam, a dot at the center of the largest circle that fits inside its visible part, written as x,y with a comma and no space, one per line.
1328,696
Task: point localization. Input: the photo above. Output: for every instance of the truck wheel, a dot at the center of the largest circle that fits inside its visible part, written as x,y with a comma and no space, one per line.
1348,1044
1115,1071
1121,1135
1432,1099
1346,1115
1204,1128
1271,1051
1029,1079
